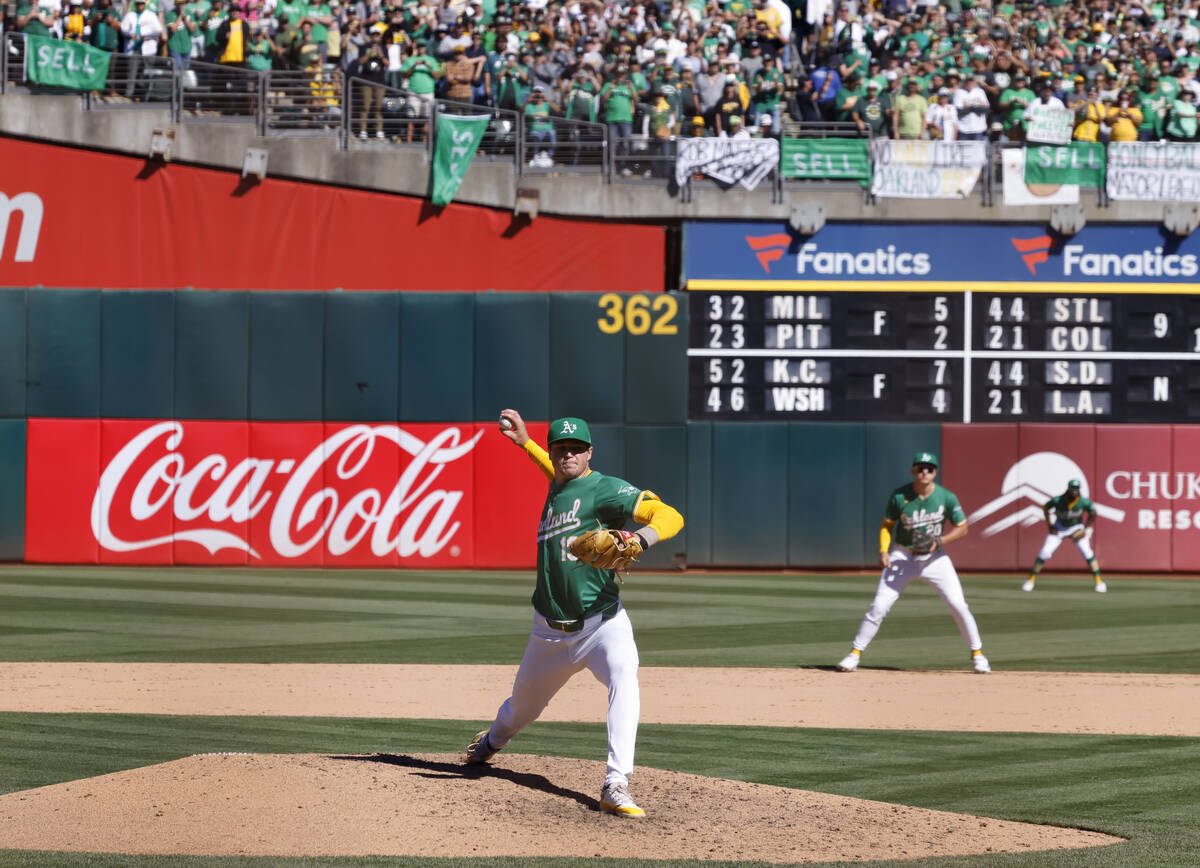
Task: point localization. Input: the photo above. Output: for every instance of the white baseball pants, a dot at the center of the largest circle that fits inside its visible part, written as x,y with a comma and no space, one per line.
1055,538
607,649
934,568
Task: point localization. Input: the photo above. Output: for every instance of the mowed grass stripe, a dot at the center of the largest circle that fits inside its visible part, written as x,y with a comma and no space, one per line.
708,619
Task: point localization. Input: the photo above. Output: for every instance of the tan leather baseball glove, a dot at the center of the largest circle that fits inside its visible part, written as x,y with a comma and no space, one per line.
607,549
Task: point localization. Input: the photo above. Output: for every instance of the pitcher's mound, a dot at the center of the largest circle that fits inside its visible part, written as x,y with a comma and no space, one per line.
433,805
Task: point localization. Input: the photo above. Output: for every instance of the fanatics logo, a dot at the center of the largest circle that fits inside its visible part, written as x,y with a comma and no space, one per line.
769,248
1051,472
1034,251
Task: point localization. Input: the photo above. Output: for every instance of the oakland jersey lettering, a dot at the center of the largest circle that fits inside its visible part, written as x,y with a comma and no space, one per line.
567,589
919,520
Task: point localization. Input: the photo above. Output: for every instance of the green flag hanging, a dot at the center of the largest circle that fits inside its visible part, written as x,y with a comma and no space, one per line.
1079,163
839,159
458,138
60,63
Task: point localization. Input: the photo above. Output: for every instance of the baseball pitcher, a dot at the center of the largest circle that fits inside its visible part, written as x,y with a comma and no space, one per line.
917,512
1068,515
578,619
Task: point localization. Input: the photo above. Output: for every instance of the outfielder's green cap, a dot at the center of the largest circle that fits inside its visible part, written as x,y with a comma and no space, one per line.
1074,483
925,458
569,428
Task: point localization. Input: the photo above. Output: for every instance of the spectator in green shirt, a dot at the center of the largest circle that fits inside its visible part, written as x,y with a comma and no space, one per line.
910,110
34,19
180,28
541,128
618,98
1181,123
105,26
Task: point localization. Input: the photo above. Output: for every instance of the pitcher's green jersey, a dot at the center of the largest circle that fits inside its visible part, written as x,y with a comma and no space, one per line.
920,519
1069,512
567,589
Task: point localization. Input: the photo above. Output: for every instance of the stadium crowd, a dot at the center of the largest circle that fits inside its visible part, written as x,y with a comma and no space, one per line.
908,69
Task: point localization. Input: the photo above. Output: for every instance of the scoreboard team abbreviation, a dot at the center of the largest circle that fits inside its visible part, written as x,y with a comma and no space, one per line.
945,355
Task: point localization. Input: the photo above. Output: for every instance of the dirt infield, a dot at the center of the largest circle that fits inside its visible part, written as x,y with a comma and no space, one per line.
432,805
1121,704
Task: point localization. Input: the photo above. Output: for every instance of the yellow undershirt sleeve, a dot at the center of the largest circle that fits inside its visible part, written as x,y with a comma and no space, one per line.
885,536
665,520
540,457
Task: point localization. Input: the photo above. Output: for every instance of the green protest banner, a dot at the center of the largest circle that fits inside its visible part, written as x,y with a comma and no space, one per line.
1079,163
458,137
838,159
60,63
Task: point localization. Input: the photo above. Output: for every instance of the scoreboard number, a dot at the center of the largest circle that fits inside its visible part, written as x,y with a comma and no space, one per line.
940,356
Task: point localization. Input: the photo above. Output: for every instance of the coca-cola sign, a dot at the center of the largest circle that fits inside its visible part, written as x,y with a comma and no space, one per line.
271,493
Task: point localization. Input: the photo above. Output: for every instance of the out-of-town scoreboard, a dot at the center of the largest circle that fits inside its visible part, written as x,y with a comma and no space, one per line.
967,356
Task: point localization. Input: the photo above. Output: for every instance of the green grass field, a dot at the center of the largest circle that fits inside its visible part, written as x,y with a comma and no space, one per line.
1142,788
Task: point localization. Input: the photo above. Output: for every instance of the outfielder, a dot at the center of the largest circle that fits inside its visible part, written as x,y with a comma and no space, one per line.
1068,515
918,511
578,619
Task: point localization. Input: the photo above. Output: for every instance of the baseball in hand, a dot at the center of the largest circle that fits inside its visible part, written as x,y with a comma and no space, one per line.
506,423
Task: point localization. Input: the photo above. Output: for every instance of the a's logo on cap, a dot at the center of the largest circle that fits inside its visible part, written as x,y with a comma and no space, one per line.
568,428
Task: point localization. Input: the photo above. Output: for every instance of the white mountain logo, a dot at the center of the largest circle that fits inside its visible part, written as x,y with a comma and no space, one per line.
1037,478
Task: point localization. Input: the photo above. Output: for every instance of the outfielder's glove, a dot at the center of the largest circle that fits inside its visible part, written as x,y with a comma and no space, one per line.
1080,534
607,549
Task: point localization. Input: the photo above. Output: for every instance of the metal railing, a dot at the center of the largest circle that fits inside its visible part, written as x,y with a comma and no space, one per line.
4,48
641,157
136,81
303,102
503,140
568,147
209,92
375,116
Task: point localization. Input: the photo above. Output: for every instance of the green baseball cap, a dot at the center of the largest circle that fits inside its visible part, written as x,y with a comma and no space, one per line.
569,428
925,458
1074,483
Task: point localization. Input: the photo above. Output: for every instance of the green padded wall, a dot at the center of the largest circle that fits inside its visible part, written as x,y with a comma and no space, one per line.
12,353
287,349
437,358
12,489
656,365
656,458
586,366
362,351
750,496
63,345
137,355
212,355
608,445
825,495
512,346
698,510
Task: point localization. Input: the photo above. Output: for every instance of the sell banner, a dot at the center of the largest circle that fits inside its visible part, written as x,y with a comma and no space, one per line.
926,170
278,494
1050,125
1154,171
1079,163
62,63
1140,478
1017,192
727,161
827,159
458,138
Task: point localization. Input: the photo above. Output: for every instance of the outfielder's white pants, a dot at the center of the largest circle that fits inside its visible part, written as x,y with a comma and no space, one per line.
607,649
1054,540
934,568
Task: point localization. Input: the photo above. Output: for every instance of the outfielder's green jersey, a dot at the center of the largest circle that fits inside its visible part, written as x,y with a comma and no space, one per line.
919,519
1067,512
567,589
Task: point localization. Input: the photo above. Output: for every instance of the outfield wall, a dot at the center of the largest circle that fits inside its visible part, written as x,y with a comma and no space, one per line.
358,429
